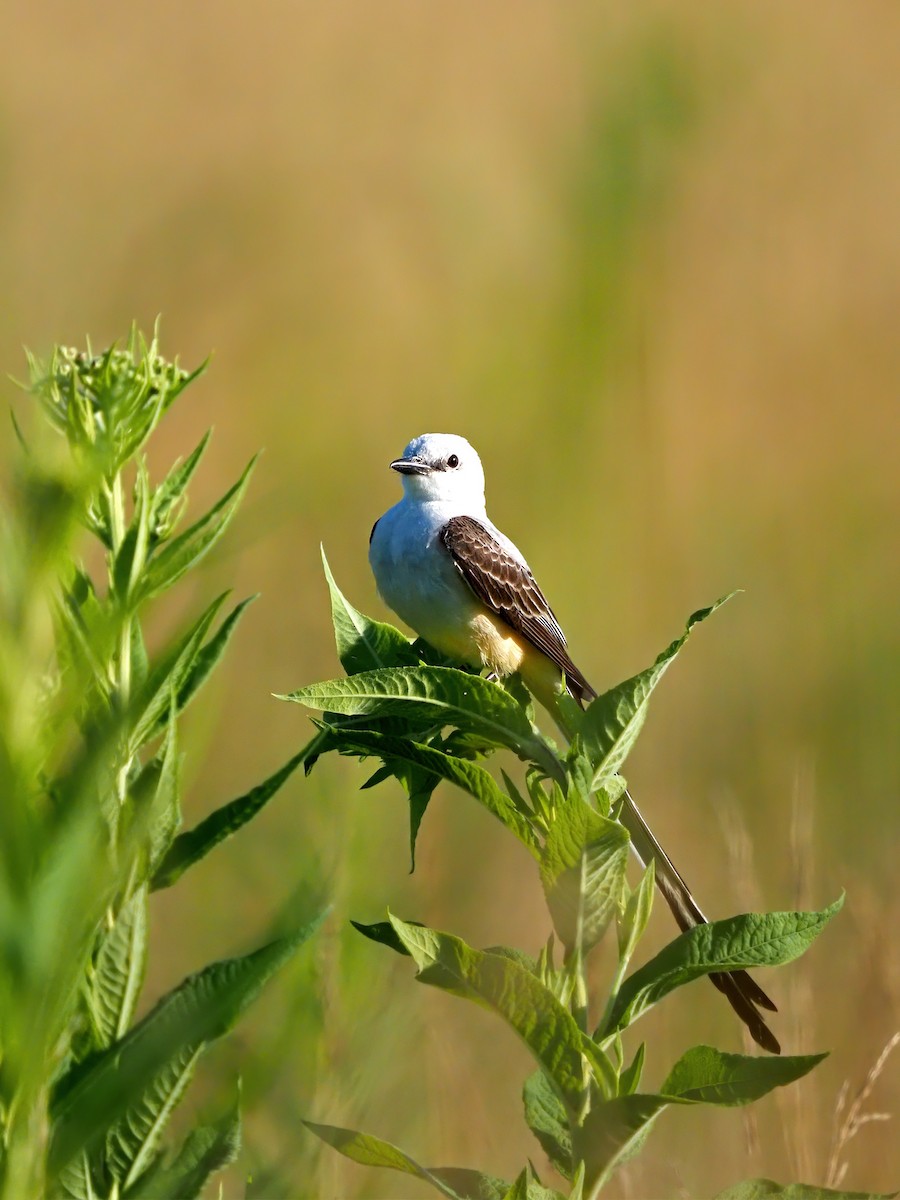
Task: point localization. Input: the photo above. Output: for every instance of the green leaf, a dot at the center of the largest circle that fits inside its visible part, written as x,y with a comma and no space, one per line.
526,1187
513,993
169,676
175,557
209,655
192,845
384,933
767,1189
630,1079
165,809
204,1151
613,721
133,551
132,1143
546,1117
636,914
364,644
373,1152
165,508
76,1180
710,1076
99,1092
583,872
443,695
613,1131
475,780
734,944
456,1183
118,974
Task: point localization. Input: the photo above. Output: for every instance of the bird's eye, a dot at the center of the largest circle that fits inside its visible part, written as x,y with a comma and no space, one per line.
453,461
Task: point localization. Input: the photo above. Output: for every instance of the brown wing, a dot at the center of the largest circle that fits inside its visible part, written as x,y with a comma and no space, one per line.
508,588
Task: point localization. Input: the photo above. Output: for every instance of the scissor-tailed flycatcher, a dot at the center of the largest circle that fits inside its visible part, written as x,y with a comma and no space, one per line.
463,586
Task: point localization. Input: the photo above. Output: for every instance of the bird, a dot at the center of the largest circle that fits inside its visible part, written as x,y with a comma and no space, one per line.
449,573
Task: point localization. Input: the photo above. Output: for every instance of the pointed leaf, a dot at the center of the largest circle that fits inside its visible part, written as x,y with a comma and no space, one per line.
583,872
165,810
737,943
613,721
169,676
613,1131
175,557
364,644
546,1117
132,1143
132,553
710,1076
469,776
630,1079
205,1151
165,506
97,1093
442,694
384,933
209,655
513,993
373,1152
192,845
119,971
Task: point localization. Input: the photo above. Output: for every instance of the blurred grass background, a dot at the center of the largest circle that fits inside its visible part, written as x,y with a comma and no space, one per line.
647,258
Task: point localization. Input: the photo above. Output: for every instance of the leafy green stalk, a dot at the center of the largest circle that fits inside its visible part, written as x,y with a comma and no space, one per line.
428,723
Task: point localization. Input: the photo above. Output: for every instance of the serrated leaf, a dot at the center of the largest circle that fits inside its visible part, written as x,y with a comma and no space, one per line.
469,776
119,970
443,695
546,1117
514,994
132,1143
204,1151
173,558
709,1076
734,944
76,1181
768,1189
194,844
364,644
96,1094
583,872
612,722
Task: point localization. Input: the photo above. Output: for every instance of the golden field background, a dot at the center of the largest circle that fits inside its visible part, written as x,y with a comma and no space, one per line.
647,258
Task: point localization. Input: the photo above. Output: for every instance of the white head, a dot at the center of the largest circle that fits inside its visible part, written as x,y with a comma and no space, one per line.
442,466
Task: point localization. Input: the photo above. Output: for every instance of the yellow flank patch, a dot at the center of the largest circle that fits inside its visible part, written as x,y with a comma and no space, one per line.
501,650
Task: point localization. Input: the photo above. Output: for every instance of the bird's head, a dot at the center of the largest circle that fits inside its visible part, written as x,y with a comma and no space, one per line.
441,466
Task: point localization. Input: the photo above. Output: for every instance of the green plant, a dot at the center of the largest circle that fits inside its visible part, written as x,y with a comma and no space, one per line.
89,778
426,722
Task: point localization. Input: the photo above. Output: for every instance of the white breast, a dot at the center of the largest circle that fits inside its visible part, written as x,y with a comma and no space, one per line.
417,578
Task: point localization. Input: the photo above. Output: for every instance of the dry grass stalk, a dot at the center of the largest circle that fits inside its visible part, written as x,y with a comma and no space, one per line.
849,1119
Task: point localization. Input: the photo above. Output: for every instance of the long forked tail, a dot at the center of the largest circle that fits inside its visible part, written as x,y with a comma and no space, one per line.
744,995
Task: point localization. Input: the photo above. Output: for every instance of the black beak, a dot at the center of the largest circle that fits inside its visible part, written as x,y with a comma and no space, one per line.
410,466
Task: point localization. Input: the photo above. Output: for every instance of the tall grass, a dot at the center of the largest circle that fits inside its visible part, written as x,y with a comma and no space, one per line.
90,778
